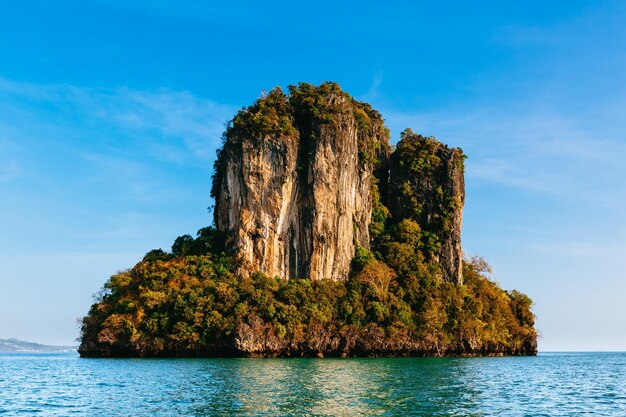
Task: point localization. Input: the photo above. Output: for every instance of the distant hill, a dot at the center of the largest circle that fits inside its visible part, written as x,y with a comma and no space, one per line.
14,345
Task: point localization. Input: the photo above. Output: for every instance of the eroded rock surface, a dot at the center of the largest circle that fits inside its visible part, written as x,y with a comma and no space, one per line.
292,182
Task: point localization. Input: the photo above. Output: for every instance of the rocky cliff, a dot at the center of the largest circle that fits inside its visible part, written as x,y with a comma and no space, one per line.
292,184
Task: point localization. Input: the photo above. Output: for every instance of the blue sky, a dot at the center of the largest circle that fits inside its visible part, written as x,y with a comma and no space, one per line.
111,112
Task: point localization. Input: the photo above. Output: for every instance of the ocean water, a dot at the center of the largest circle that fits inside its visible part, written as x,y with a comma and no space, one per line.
551,384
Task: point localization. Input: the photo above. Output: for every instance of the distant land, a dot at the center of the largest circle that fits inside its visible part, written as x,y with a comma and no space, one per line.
20,346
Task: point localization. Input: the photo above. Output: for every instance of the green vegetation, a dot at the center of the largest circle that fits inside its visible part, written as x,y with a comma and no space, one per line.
193,305
425,172
269,115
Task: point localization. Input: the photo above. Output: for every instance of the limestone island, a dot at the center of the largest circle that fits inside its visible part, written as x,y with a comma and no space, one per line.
327,242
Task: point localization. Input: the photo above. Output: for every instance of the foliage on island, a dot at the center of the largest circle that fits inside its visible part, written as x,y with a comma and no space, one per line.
192,305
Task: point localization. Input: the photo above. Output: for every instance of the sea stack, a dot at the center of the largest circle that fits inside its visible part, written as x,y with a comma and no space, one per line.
326,241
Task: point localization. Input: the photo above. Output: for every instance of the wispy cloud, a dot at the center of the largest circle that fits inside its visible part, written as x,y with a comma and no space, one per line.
374,90
199,123
516,35
70,136
519,146
9,171
109,165
156,119
608,252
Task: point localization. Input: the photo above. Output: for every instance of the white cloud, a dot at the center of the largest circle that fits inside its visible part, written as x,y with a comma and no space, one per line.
609,251
171,114
374,90
9,171
161,120
68,137
516,36
525,147
105,168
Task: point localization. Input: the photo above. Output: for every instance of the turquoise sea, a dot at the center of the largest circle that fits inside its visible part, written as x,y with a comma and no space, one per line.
551,384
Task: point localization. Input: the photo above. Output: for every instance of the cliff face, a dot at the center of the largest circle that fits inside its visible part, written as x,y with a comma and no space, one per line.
292,183
426,184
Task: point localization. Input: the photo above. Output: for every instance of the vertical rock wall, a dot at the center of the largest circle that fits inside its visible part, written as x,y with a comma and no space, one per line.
294,195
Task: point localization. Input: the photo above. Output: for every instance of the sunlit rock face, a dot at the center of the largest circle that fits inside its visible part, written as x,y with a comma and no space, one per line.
293,180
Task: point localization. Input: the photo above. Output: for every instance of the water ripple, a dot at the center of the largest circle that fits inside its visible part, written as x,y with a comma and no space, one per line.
546,385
